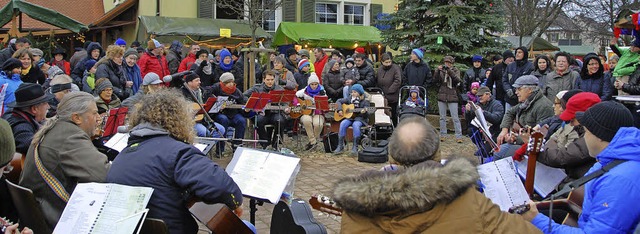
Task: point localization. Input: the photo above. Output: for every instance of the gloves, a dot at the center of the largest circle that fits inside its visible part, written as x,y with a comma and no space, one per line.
510,93
203,63
519,154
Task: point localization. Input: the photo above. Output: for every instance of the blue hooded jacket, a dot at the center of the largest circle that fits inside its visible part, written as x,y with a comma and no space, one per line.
611,200
13,83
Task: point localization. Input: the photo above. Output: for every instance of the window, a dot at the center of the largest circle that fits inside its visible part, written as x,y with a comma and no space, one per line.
268,17
553,37
327,13
353,14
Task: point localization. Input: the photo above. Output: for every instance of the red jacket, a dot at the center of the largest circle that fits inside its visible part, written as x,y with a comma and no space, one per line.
66,69
187,62
149,63
319,65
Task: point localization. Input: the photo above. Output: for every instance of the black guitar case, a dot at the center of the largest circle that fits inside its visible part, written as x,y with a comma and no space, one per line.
295,219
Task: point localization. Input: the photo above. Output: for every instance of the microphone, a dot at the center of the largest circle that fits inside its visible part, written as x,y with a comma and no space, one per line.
123,129
179,75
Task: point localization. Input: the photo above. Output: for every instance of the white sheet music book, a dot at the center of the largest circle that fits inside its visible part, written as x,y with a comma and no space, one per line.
501,183
118,141
104,208
261,174
217,106
546,179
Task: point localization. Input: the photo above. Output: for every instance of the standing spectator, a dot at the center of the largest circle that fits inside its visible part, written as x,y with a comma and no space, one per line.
562,78
304,54
417,71
186,63
592,78
239,65
29,111
629,60
105,98
121,43
135,44
632,88
132,70
291,62
321,61
303,76
448,78
475,73
204,68
111,67
227,65
79,55
494,80
153,60
89,78
8,52
58,60
521,67
174,56
613,61
10,75
95,52
367,78
333,82
60,86
283,77
541,66
30,72
350,76
38,61
390,80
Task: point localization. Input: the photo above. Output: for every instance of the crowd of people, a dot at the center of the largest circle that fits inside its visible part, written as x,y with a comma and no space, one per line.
56,111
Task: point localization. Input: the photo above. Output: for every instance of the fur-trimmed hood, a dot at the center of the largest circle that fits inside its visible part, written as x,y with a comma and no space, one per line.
406,191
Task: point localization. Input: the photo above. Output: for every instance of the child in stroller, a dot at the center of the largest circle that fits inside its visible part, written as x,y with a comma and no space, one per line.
414,104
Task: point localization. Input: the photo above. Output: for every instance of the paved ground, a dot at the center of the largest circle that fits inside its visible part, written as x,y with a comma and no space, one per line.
318,173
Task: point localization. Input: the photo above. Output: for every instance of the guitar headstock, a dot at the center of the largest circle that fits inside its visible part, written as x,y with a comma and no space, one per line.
536,140
325,204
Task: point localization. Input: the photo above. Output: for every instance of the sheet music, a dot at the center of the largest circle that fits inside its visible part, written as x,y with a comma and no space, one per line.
118,141
480,121
218,105
501,184
261,174
201,147
546,179
97,208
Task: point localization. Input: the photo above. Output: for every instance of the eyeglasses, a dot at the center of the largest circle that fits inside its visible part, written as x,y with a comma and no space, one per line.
557,103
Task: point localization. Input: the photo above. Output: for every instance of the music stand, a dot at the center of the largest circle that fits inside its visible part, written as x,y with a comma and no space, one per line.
282,96
258,101
322,103
115,118
207,105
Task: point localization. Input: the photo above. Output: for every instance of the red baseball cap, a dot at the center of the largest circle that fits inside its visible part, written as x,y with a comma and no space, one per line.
579,103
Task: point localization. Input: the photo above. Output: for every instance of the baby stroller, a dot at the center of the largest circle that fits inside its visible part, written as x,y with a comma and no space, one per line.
380,126
407,108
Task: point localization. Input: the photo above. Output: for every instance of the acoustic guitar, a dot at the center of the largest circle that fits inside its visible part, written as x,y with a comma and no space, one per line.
325,204
572,205
536,142
348,111
219,218
13,170
305,107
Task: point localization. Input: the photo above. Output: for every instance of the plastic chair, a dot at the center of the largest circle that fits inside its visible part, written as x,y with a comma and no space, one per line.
28,209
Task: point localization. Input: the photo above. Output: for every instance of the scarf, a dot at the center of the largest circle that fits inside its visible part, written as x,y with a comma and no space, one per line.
25,71
521,63
226,67
313,92
206,69
59,64
226,89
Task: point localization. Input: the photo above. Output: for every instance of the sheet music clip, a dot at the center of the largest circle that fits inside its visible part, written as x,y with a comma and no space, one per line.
258,101
322,103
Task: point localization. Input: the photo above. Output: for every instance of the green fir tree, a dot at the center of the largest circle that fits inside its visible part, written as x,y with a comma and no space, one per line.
466,28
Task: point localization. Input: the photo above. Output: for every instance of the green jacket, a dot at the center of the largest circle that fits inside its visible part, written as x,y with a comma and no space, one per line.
627,63
538,109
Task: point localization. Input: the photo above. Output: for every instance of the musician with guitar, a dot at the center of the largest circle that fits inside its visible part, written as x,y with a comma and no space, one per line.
312,120
267,117
611,196
230,115
422,195
192,92
356,117
160,155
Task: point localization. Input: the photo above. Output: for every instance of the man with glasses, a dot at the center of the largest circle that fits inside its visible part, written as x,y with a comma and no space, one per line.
533,108
186,63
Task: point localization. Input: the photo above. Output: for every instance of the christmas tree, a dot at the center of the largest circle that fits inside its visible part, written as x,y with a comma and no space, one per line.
457,28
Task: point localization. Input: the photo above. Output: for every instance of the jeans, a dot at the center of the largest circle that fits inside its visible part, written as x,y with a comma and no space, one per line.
275,119
237,121
313,126
453,109
506,150
349,122
202,131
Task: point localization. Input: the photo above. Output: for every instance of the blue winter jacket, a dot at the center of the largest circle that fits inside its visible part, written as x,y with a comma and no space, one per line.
13,84
176,171
611,200
601,86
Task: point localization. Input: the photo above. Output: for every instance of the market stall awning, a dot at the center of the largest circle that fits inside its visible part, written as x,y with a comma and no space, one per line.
14,7
325,35
175,26
537,44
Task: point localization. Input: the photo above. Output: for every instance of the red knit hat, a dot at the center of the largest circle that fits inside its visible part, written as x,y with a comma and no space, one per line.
579,103
360,50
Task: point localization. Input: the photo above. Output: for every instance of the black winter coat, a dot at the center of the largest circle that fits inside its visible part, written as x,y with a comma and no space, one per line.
493,112
496,78
367,76
23,129
333,83
115,73
418,74
236,98
35,75
511,74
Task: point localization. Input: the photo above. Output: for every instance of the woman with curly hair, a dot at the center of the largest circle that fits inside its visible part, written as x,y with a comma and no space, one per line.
160,155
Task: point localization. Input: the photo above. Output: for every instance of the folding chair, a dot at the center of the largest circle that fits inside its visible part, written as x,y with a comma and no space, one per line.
28,209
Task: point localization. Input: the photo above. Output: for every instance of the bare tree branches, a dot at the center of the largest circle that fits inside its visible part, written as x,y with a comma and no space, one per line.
532,17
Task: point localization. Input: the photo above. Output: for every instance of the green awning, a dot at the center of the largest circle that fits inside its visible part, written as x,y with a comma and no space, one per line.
39,13
577,50
538,43
175,26
325,35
